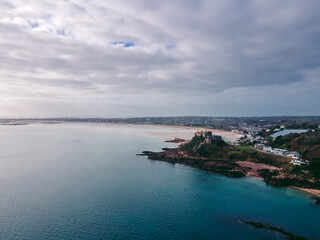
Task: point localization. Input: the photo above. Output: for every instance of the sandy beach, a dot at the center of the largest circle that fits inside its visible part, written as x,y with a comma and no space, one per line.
314,192
168,132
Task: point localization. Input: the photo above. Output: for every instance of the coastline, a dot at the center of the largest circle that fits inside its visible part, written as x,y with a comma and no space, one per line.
223,167
220,166
233,169
186,132
314,192
197,129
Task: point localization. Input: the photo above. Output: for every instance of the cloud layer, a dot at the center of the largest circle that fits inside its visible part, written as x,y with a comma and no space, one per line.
177,57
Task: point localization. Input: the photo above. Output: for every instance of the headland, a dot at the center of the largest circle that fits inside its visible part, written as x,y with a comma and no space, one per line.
209,152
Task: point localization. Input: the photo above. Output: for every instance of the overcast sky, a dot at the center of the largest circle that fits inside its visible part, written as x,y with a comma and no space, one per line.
122,58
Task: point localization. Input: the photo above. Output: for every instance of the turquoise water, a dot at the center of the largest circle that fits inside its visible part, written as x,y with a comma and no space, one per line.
84,182
288,131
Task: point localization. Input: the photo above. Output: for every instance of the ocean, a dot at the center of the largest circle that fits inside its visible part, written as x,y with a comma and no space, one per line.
84,181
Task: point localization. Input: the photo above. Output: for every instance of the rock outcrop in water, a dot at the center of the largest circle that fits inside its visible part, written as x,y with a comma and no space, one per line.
223,167
268,227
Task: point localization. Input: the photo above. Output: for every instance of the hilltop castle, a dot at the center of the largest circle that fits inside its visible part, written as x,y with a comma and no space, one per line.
208,136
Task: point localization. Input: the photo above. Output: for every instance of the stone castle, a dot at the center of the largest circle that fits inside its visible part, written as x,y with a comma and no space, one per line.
208,136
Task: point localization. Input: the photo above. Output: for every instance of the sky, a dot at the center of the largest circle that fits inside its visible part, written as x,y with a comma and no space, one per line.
129,58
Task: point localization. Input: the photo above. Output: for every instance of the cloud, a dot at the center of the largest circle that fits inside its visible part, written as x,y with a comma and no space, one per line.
197,56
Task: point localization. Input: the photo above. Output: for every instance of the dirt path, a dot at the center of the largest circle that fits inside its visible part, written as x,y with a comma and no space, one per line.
254,167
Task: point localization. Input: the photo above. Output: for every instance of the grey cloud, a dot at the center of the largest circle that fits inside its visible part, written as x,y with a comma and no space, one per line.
221,48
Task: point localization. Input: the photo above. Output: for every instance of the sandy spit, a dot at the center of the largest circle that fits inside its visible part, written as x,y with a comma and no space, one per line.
169,132
314,192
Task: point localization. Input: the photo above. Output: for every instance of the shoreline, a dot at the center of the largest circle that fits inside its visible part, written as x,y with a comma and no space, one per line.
224,167
187,132
160,131
195,128
250,169
220,166
314,192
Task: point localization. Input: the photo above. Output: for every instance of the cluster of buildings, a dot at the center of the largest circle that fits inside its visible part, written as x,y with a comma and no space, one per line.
296,158
250,130
208,136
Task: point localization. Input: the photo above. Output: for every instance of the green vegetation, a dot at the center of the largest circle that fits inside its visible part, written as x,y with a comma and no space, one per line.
197,147
307,144
241,150
290,175
245,153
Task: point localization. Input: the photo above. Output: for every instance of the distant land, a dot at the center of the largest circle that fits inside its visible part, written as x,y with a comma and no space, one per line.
224,123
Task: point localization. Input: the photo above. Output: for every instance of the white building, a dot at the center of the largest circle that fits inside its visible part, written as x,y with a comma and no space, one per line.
300,162
267,149
280,152
294,155
259,146
296,162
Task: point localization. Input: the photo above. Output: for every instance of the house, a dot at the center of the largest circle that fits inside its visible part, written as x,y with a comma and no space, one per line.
280,152
294,155
300,162
267,149
259,146
296,162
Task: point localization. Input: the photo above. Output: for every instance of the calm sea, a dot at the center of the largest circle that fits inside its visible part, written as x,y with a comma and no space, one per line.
86,182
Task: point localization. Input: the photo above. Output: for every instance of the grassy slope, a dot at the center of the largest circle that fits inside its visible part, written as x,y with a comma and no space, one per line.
245,153
308,145
301,176
221,150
